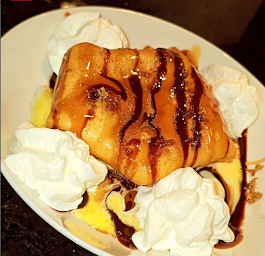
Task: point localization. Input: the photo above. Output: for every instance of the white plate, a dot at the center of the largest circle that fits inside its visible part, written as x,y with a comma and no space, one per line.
25,67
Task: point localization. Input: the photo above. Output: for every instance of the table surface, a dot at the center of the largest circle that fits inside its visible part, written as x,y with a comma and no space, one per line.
236,26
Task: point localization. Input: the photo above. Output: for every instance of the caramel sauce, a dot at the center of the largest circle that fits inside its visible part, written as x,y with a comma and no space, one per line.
87,90
193,55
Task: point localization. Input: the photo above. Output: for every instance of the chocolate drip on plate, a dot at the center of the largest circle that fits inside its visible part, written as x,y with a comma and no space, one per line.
124,233
238,215
52,81
85,201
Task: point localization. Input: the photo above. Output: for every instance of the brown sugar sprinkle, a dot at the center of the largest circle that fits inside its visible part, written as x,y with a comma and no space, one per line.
252,195
252,171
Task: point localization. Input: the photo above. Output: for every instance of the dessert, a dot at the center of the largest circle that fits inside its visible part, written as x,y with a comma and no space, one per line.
138,107
144,112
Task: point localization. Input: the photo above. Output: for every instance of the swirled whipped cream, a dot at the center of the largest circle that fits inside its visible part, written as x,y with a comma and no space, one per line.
55,164
238,100
83,27
182,213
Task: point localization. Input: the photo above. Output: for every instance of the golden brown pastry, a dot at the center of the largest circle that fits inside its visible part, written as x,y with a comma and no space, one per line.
144,112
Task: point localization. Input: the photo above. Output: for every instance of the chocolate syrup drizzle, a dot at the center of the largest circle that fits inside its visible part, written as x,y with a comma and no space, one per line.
181,125
125,182
161,74
124,232
158,142
135,85
196,116
180,119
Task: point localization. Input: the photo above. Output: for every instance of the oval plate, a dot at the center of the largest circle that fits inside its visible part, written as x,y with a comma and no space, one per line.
25,67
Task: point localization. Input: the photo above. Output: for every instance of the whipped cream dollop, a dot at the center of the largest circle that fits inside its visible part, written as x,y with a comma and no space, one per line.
55,164
83,27
238,100
183,214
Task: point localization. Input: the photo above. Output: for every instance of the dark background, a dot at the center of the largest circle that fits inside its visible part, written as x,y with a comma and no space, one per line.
236,26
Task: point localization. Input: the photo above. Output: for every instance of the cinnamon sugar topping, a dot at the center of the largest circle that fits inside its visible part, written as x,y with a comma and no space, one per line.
252,195
256,167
